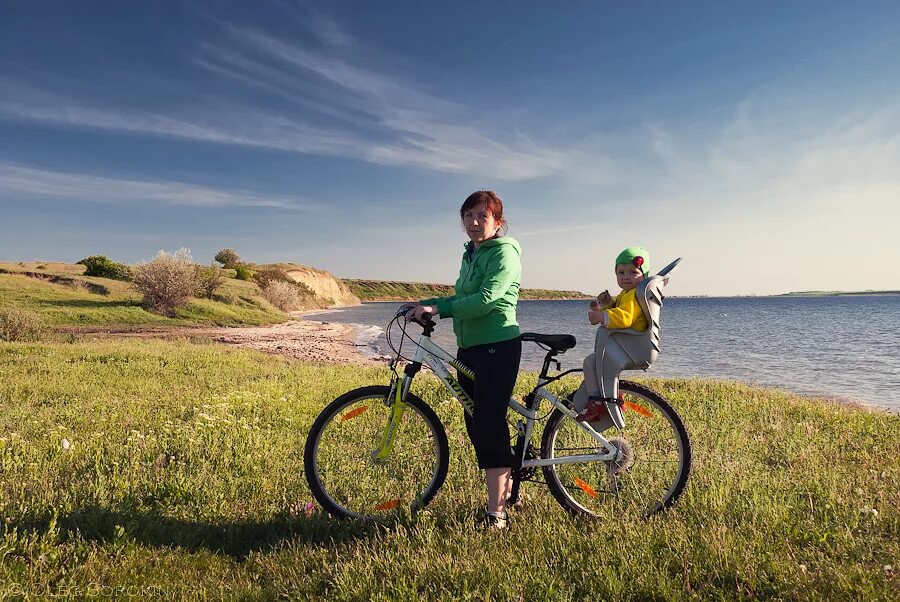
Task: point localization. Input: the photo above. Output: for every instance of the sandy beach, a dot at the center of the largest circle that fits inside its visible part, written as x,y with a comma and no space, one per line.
303,338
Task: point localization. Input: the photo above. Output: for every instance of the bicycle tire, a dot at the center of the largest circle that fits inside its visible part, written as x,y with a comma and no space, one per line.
345,479
600,488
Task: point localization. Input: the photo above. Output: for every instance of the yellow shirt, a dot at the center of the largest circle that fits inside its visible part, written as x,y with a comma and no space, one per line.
626,312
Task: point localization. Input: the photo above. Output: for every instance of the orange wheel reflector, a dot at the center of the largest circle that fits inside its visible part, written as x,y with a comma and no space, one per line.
585,487
390,505
354,413
639,409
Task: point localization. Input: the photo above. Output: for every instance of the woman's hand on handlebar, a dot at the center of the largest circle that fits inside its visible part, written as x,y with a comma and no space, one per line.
406,308
418,313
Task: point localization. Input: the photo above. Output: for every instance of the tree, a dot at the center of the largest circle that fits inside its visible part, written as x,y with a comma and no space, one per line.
228,258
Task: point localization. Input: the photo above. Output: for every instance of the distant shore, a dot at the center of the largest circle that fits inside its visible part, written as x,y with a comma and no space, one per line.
836,293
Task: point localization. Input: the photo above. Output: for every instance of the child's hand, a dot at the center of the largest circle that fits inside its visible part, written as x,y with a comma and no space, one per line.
604,299
595,316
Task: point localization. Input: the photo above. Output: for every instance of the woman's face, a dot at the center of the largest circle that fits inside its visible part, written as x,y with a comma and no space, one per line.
480,224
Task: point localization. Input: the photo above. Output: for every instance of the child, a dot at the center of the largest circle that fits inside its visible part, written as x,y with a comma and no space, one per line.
622,312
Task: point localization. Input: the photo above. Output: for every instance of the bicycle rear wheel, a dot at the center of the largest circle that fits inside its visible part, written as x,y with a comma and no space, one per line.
340,469
650,474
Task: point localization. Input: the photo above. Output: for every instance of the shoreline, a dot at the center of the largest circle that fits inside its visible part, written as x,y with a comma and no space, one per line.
306,337
830,399
302,338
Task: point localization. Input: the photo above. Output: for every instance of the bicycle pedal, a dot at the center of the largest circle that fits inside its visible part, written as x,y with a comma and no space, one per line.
517,505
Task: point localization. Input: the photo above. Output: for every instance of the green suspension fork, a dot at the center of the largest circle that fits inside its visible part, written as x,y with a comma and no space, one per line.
397,404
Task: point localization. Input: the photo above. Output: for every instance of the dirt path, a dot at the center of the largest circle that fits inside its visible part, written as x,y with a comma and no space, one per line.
308,340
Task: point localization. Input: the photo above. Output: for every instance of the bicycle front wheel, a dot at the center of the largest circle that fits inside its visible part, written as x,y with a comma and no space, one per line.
348,481
649,474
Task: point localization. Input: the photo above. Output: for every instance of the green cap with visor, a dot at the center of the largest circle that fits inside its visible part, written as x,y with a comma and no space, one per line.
636,256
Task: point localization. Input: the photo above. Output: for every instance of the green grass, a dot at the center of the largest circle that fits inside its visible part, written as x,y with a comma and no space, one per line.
386,290
184,476
62,305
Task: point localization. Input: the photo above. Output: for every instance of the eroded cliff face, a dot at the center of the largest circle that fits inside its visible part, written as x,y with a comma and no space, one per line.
323,284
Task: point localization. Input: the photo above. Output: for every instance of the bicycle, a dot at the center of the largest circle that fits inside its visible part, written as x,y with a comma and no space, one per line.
360,465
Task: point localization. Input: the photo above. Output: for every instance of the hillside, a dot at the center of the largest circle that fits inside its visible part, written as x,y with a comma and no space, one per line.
391,290
64,297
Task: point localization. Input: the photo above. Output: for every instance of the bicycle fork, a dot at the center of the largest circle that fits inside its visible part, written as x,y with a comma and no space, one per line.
396,401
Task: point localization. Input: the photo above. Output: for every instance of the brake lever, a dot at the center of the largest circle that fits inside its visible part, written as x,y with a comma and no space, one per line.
426,320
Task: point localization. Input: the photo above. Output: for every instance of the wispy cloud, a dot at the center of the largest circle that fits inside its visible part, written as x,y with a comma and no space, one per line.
763,159
323,96
417,128
19,182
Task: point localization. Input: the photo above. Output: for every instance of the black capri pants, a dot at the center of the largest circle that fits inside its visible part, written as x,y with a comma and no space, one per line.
496,366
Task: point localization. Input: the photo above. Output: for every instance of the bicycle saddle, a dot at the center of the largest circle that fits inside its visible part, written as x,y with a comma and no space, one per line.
556,342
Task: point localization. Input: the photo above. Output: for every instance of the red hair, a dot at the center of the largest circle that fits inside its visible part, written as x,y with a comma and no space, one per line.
491,202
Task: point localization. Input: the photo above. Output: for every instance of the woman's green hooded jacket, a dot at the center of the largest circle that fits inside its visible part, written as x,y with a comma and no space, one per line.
487,290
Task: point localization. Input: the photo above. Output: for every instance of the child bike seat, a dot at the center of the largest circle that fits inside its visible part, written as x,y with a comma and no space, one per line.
627,349
641,348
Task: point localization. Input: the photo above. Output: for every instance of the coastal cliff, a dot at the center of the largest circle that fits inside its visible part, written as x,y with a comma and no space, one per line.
322,283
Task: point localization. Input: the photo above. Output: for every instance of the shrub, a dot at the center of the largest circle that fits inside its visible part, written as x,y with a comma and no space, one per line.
209,280
282,295
227,299
103,267
242,272
267,276
20,325
166,282
228,258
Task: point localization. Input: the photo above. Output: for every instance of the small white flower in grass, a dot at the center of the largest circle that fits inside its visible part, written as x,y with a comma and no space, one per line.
65,444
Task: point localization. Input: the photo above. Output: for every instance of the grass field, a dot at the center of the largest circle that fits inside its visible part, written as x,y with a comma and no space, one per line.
174,470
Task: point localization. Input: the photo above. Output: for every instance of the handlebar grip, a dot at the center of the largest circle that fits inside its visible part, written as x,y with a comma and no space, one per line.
426,319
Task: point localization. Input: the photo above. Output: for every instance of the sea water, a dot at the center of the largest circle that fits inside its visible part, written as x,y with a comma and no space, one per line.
843,346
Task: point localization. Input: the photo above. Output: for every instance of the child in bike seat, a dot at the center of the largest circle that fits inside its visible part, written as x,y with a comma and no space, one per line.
623,311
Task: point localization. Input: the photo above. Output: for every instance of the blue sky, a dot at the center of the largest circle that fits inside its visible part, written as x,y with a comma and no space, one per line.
761,141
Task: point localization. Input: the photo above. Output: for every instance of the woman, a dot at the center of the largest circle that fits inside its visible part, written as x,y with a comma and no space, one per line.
487,333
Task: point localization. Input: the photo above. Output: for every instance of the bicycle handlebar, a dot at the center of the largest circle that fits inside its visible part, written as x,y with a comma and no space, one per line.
426,316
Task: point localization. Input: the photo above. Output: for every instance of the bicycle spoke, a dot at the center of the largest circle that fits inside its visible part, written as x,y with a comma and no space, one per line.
355,472
649,468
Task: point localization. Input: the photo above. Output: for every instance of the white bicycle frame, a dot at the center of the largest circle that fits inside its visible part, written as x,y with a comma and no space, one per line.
432,355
